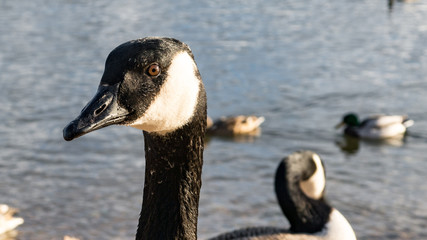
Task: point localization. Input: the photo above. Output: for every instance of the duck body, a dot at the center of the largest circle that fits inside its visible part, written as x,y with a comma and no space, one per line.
299,186
8,221
235,125
376,127
153,84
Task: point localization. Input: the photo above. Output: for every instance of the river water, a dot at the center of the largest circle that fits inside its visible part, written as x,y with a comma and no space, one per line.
300,64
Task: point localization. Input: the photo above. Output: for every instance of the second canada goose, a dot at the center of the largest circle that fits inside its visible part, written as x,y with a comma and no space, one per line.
300,185
375,127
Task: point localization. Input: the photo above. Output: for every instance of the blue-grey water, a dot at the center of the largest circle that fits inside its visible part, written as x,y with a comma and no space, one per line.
300,64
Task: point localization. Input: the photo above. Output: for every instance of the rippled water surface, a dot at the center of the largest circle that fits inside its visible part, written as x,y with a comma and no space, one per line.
300,64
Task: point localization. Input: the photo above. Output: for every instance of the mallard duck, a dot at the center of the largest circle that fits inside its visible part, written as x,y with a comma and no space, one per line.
7,220
235,125
375,127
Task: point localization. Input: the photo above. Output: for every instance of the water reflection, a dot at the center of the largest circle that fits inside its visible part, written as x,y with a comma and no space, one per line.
347,144
351,145
240,138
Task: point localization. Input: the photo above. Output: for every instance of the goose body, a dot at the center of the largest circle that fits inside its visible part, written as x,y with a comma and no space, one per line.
235,125
153,84
300,186
8,221
376,127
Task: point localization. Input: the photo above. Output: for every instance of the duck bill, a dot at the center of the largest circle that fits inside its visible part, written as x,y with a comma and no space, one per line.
339,125
102,111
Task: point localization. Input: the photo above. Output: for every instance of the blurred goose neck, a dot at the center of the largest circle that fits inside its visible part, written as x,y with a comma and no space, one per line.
305,214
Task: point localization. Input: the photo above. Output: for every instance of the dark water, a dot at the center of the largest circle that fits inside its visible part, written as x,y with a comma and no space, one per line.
300,64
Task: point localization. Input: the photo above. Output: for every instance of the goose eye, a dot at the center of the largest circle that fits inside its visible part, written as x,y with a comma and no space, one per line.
153,70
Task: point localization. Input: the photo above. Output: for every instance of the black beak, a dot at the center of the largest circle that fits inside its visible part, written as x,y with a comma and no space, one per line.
102,111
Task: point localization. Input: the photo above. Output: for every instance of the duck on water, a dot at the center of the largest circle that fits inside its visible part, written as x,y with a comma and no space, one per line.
235,125
153,84
378,127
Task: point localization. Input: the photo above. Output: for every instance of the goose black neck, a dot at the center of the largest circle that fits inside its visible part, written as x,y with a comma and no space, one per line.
306,215
173,181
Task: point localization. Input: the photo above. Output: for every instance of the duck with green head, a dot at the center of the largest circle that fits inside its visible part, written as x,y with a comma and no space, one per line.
375,127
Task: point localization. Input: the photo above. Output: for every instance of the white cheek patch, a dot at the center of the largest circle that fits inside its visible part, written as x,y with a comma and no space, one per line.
174,105
313,187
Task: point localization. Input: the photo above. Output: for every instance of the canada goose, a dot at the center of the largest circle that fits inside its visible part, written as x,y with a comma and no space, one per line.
153,84
375,127
235,125
300,186
7,220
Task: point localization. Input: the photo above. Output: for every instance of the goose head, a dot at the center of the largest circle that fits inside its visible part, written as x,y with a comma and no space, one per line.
313,182
151,84
300,186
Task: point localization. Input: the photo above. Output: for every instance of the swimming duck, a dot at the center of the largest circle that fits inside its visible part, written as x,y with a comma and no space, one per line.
375,127
7,220
300,187
235,125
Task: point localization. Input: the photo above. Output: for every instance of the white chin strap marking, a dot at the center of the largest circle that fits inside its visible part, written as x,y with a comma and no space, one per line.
313,187
174,105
